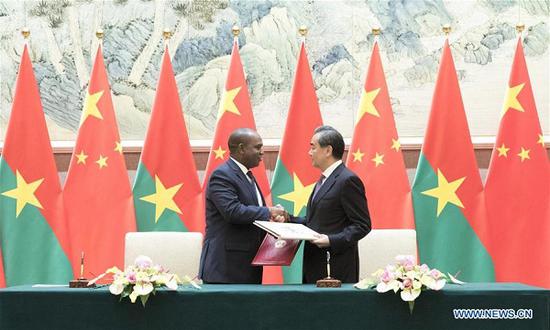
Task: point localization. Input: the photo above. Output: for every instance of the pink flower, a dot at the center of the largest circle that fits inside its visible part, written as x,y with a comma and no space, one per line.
436,274
407,283
387,276
407,261
143,262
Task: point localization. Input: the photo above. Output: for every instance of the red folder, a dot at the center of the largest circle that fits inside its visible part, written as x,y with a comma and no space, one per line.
276,252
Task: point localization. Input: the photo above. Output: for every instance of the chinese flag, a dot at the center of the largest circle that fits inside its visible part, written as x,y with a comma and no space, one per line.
449,204
518,187
294,176
236,112
33,233
375,154
97,191
167,192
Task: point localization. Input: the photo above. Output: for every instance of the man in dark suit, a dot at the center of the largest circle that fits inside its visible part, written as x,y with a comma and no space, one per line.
233,202
337,210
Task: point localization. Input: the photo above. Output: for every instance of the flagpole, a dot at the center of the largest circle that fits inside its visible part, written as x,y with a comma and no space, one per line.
303,32
25,32
376,32
519,28
167,34
236,31
99,35
446,30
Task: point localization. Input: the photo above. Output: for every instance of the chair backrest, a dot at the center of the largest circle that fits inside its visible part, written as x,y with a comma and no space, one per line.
380,246
179,252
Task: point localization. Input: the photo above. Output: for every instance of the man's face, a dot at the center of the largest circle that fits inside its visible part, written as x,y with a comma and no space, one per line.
319,155
252,151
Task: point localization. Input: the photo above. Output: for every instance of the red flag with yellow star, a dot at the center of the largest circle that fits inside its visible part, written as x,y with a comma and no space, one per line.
33,230
375,153
295,176
518,187
97,192
167,191
236,112
449,205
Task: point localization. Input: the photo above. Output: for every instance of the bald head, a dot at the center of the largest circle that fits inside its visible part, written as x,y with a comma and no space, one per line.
245,145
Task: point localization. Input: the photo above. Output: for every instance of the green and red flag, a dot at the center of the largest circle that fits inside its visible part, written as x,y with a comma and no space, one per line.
449,204
33,233
97,192
518,187
167,191
295,176
375,153
236,112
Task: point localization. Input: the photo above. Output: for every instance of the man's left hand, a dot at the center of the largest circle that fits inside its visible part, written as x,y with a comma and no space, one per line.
322,241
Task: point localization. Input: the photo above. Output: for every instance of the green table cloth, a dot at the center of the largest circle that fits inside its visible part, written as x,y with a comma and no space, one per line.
277,307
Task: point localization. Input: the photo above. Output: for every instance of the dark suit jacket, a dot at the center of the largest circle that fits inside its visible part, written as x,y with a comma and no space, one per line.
339,211
231,240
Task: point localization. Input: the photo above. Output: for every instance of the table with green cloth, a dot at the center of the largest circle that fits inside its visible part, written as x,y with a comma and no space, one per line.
277,307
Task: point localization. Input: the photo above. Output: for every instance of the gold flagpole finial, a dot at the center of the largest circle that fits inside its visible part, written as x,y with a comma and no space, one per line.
167,34
376,31
446,29
25,32
236,31
520,27
303,30
99,34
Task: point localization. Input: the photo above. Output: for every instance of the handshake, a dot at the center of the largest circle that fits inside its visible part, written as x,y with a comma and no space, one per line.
278,214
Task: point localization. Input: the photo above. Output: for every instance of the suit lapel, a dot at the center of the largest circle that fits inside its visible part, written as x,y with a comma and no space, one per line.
327,185
244,180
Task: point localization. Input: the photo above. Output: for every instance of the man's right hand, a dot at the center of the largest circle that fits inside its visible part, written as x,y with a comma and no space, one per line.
278,214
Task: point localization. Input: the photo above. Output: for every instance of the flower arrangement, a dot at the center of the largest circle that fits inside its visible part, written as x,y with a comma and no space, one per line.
141,279
408,277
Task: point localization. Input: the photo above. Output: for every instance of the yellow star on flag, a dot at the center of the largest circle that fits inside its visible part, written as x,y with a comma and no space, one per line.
366,105
23,193
378,159
299,196
395,144
220,152
445,192
118,147
163,198
503,151
81,157
541,140
512,99
228,102
102,161
90,107
358,156
524,154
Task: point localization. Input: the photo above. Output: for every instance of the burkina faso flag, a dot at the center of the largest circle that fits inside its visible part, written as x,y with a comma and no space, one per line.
167,192
33,232
449,205
295,176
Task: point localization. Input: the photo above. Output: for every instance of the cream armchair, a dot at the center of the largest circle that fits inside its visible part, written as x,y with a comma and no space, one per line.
380,246
179,252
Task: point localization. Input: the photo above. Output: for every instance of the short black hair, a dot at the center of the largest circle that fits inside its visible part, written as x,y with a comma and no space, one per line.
329,136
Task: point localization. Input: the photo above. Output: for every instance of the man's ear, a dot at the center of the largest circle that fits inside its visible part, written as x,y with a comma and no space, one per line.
329,150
